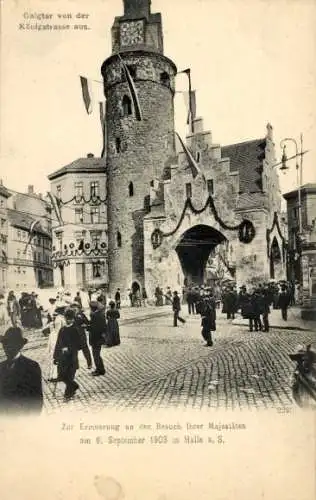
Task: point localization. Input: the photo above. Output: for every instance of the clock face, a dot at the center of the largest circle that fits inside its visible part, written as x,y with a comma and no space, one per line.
132,33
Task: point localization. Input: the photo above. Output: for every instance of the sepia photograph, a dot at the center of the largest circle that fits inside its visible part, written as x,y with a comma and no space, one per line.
158,248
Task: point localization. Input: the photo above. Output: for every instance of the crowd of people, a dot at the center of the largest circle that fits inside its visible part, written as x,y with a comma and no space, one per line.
69,330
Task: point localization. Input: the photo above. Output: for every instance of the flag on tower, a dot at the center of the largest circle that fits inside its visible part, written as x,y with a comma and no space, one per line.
132,90
31,233
195,169
103,126
55,204
191,108
86,94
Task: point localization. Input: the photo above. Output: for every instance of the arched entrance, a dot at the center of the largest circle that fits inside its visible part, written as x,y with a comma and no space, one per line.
275,260
194,249
135,287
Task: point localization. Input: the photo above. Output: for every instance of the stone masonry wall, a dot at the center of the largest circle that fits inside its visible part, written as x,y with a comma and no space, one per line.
146,147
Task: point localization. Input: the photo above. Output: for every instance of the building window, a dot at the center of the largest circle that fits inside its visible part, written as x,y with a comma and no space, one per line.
78,215
19,234
18,254
295,213
59,238
78,190
198,156
210,186
2,223
94,189
119,239
165,79
131,189
95,215
118,145
58,191
96,239
1,203
96,271
188,190
126,105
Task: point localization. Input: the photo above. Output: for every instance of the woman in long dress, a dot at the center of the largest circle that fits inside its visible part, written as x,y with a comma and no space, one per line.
56,324
113,330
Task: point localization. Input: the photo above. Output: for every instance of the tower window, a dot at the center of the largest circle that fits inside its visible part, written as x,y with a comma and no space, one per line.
119,239
188,190
126,105
210,186
165,79
118,145
131,189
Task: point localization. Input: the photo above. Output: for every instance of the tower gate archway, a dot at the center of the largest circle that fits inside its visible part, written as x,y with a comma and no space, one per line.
193,250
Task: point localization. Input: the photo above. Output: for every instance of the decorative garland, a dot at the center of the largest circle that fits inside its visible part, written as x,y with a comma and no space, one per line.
246,230
83,249
95,200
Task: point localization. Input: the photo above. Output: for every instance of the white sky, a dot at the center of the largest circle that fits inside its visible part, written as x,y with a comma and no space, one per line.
252,61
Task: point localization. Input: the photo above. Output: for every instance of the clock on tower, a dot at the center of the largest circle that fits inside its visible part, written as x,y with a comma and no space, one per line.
131,33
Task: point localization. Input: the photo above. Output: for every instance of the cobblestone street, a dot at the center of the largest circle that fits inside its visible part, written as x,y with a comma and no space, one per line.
158,366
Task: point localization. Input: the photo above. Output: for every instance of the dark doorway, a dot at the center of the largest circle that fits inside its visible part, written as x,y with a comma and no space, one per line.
194,249
275,260
135,287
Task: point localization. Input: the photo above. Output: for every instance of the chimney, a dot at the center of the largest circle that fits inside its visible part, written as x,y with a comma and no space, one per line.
30,189
90,155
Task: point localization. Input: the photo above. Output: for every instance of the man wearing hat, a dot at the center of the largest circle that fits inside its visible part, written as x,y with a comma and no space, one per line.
20,377
66,354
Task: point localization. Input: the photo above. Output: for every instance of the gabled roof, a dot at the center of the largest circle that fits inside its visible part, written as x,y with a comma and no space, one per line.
89,165
23,221
247,158
4,191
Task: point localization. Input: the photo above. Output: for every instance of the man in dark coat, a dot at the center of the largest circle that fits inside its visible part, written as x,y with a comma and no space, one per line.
207,311
176,307
117,298
266,299
257,309
284,302
190,301
20,377
82,322
66,354
97,329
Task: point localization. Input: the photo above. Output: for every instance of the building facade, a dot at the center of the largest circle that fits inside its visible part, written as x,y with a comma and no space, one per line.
302,246
4,195
29,262
163,222
80,236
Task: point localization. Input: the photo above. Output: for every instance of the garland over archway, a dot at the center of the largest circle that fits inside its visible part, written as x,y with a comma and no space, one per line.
246,230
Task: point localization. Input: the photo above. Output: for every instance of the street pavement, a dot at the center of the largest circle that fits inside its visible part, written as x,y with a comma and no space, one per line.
159,366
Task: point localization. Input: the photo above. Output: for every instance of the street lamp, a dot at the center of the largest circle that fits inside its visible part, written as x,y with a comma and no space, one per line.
299,170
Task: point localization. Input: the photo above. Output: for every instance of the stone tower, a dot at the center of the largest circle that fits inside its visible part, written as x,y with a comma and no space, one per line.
138,152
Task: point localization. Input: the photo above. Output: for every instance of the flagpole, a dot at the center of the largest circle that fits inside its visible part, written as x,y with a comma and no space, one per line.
190,101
